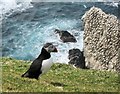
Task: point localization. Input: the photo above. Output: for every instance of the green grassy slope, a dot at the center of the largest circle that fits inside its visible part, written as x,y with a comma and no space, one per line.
61,78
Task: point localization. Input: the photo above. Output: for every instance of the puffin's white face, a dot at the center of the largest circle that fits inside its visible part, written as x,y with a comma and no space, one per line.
49,47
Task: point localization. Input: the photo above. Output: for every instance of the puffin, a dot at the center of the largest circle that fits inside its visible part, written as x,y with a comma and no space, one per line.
42,63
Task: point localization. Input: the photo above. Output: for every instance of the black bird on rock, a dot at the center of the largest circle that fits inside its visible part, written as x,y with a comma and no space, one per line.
65,36
42,63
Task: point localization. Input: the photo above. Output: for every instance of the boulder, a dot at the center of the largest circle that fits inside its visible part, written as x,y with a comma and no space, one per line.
101,40
76,58
65,36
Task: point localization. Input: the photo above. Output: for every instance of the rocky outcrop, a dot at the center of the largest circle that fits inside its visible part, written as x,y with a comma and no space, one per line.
101,40
76,58
65,36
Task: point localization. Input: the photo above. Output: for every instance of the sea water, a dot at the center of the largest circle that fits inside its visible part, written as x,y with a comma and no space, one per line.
27,26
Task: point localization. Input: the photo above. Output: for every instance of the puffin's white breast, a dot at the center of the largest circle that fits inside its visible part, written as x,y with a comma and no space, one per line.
46,64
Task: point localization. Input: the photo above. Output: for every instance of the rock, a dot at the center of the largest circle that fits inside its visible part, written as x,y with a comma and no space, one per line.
76,58
65,36
101,40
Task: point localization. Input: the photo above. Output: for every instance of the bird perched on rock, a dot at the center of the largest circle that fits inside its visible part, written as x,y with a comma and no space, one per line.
65,36
42,63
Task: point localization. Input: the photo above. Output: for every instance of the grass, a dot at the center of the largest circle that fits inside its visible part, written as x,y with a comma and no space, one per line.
60,78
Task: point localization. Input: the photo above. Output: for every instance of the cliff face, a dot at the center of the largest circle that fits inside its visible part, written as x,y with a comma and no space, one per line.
101,40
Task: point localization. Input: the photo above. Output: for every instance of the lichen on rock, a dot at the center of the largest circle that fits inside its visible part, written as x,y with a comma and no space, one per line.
101,40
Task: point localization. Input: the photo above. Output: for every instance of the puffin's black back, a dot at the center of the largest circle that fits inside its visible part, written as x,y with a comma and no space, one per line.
35,69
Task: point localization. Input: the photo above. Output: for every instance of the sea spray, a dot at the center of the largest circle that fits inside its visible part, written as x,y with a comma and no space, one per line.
25,32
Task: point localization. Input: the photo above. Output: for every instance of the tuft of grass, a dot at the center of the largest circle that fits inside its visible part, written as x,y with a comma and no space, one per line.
60,78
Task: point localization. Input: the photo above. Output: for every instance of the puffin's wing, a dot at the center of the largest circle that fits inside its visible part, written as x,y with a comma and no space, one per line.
34,69
36,65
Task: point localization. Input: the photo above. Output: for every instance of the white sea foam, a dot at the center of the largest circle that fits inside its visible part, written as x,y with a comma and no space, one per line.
19,5
33,41
9,6
29,44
